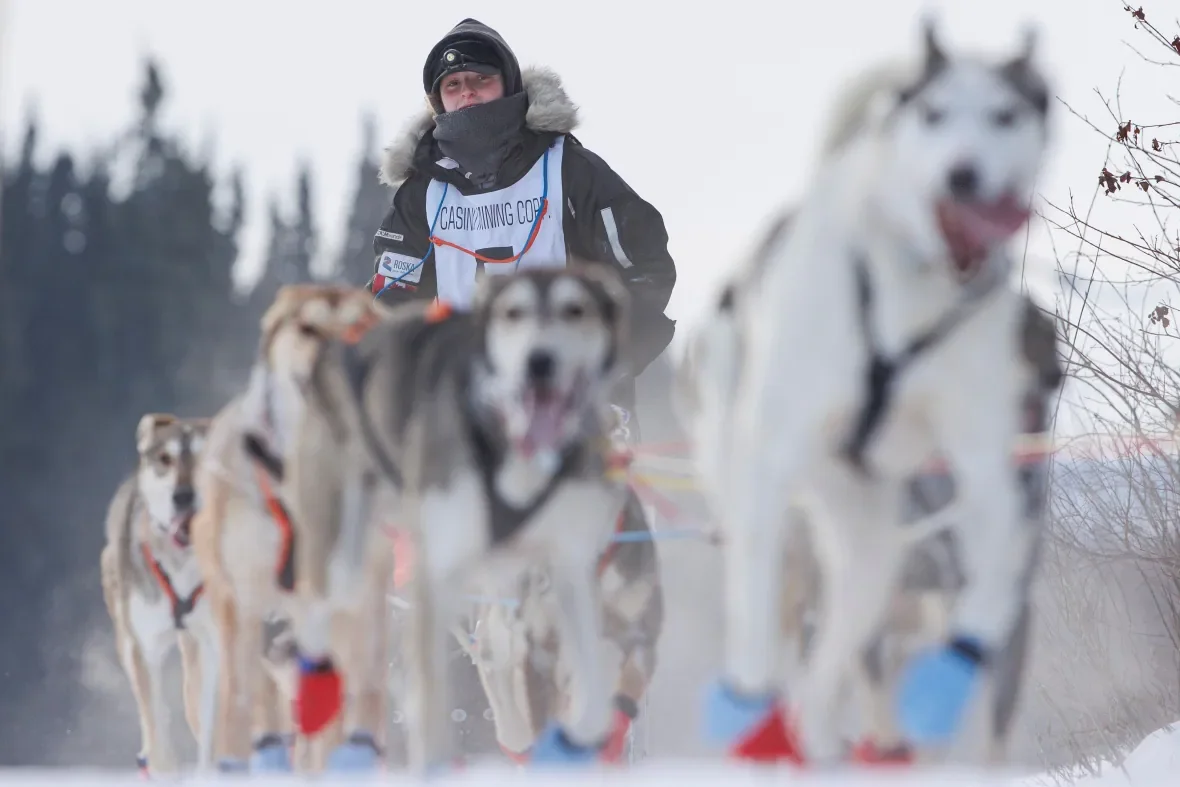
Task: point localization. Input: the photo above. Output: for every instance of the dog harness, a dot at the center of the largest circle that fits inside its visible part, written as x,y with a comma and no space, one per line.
181,607
883,371
403,552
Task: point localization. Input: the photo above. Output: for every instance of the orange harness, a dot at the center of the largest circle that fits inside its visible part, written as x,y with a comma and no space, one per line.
181,607
285,566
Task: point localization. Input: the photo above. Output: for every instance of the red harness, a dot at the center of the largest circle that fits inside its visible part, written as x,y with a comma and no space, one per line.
181,607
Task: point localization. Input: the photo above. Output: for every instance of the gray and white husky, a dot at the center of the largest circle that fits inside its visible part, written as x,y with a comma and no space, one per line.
485,437
873,330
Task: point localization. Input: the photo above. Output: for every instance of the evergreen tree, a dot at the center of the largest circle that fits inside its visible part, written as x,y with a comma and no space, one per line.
370,203
108,308
292,246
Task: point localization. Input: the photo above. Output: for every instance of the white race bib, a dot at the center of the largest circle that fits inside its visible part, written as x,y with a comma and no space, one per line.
497,224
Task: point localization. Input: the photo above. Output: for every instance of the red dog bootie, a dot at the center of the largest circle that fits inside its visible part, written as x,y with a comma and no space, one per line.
772,740
318,697
751,727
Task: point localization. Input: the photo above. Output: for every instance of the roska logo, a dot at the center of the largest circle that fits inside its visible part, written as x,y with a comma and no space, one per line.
401,267
489,217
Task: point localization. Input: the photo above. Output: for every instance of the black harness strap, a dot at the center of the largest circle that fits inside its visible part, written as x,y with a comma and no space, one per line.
883,371
506,520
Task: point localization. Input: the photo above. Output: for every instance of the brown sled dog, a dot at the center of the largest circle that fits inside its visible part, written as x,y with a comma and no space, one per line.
153,589
244,535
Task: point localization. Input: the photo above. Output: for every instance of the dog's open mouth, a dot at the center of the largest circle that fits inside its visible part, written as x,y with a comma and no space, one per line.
546,409
972,229
182,529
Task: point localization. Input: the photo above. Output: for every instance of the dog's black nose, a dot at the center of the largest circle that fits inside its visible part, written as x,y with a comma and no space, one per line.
183,497
541,366
964,181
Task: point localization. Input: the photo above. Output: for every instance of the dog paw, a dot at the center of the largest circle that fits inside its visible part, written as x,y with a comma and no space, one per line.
318,696
141,764
752,728
359,753
554,747
270,755
935,690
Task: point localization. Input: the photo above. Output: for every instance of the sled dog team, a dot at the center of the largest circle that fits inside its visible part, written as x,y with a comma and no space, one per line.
875,327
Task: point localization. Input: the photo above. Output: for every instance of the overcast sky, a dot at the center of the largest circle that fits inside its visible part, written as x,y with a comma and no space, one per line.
711,115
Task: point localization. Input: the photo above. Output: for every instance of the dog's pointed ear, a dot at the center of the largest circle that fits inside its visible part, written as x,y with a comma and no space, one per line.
1028,46
934,58
614,299
145,432
1020,72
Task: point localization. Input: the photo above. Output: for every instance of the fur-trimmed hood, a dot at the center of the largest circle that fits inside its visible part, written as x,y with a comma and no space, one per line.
550,111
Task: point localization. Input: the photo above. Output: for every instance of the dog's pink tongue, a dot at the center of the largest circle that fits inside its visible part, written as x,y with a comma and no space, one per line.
993,222
182,530
544,430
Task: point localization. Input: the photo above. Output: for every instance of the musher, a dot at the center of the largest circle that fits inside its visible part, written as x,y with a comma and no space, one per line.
471,174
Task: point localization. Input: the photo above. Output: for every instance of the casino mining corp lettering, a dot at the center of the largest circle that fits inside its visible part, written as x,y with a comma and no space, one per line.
488,217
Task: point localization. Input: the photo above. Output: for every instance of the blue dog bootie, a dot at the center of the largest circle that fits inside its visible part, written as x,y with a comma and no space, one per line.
729,716
935,690
358,754
554,747
270,755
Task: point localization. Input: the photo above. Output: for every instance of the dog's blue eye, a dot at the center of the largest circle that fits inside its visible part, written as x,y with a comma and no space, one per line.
931,116
1004,117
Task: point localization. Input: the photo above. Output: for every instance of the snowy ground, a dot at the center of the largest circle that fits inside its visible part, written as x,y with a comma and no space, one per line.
1154,763
687,774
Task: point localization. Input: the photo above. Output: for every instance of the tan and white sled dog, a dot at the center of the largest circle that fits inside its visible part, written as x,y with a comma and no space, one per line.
153,588
243,536
516,649
484,436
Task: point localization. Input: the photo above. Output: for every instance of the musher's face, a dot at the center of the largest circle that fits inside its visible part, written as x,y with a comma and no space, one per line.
466,88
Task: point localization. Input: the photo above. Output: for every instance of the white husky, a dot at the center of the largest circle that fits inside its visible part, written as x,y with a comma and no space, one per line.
876,333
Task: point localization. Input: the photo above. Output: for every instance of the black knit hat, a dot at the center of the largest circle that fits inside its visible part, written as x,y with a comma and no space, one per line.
471,55
476,47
